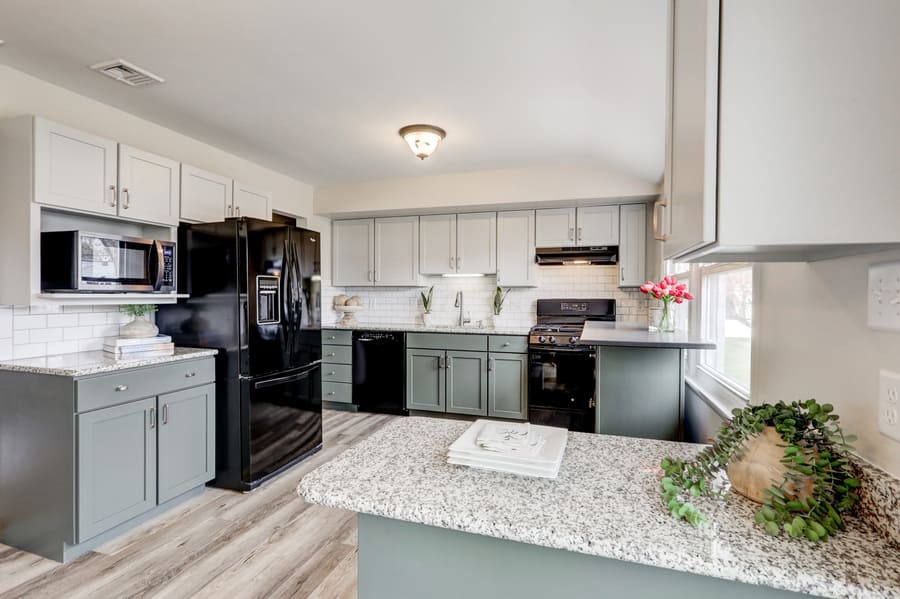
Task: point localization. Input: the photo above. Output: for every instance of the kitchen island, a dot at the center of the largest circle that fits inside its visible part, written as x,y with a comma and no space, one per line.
431,529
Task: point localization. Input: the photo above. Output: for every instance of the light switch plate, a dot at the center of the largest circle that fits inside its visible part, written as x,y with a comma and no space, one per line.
889,404
884,296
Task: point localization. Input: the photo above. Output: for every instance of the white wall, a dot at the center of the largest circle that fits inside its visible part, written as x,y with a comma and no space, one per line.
812,341
23,94
503,189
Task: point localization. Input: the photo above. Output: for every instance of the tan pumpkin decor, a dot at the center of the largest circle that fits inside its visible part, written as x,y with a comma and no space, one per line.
759,467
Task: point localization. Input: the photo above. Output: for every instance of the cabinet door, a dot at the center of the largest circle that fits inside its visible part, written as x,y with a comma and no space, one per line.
149,189
467,382
515,248
205,197
476,243
632,245
74,169
693,126
425,388
437,244
249,201
507,385
397,251
187,440
598,225
352,252
555,227
116,465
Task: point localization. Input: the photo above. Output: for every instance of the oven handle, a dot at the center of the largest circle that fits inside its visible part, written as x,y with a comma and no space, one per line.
562,350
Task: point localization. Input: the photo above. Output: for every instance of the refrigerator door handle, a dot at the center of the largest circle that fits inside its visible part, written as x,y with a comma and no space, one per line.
286,298
282,380
300,304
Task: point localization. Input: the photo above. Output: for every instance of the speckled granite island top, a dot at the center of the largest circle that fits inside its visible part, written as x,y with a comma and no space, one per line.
620,334
605,503
95,362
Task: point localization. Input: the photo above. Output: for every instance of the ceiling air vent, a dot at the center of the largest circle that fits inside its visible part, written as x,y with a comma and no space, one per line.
126,72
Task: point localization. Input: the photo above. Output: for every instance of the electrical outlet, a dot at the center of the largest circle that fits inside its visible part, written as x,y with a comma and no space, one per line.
889,404
884,296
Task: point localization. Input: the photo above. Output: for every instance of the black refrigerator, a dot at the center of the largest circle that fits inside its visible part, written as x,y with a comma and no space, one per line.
255,295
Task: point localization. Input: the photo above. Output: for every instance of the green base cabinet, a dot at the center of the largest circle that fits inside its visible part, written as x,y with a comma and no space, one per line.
337,368
507,385
187,429
467,383
425,386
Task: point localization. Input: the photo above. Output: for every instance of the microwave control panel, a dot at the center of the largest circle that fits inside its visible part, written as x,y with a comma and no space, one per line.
168,276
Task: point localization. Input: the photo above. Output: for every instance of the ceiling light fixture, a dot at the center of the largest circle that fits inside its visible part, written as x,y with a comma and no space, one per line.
423,140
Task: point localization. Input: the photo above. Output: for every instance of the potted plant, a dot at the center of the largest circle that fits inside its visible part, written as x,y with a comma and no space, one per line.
140,325
427,302
499,298
793,458
670,291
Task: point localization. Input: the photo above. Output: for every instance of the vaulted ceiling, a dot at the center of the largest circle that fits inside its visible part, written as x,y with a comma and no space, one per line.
318,88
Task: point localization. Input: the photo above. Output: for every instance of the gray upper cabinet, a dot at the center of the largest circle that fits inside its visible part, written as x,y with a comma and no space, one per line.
597,225
187,442
437,244
116,465
205,197
632,245
555,227
507,385
425,388
353,252
467,383
397,251
515,249
149,187
774,155
476,243
250,201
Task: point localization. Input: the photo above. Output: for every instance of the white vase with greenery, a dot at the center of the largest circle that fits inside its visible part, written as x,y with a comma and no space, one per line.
140,325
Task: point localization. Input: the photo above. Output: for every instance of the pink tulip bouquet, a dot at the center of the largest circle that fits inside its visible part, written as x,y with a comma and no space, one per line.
668,290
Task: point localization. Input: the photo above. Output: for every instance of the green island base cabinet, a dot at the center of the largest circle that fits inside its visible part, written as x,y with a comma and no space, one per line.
83,459
467,374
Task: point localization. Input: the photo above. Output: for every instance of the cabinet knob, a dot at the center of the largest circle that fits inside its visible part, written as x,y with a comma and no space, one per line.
190,374
332,373
122,388
330,393
506,344
331,355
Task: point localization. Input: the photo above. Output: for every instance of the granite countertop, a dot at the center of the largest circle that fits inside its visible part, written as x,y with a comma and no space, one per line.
419,328
95,362
620,334
605,502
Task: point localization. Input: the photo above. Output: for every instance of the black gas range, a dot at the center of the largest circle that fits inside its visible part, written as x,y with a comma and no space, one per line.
561,374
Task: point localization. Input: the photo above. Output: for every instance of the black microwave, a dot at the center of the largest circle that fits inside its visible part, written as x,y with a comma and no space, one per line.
81,262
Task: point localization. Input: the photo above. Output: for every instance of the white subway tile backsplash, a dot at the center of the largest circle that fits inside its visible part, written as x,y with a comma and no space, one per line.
23,321
74,333
91,318
105,330
21,337
45,335
62,320
29,350
6,349
90,344
6,322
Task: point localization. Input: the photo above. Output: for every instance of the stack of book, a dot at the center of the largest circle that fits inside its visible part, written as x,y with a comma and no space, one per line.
517,448
125,348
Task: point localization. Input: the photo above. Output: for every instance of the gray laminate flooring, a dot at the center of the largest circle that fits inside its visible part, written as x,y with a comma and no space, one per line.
268,543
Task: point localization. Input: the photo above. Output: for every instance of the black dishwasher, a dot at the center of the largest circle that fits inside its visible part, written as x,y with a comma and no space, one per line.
379,372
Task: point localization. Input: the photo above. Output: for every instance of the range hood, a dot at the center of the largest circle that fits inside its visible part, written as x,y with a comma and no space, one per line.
604,254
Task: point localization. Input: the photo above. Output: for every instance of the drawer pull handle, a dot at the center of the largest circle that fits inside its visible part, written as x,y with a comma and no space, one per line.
506,344
190,374
122,388
331,355
332,373
330,393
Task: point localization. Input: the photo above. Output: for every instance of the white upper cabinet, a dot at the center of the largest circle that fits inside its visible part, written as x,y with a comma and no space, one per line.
74,169
437,247
476,243
396,251
353,252
790,153
597,225
148,186
632,245
205,197
515,248
249,201
555,227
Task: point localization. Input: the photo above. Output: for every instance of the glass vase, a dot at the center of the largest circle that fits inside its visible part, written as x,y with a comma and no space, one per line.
666,322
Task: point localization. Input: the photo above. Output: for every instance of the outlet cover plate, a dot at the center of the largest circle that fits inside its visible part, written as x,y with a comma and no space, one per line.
883,296
889,404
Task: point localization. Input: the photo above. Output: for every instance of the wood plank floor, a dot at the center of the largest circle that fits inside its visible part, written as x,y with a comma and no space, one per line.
269,543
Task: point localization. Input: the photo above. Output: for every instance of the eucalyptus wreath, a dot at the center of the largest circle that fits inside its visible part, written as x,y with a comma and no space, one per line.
816,451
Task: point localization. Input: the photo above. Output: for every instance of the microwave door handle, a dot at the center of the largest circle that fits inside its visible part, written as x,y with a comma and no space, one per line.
155,258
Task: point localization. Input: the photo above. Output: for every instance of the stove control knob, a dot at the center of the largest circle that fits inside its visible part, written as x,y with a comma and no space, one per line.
573,340
542,339
552,339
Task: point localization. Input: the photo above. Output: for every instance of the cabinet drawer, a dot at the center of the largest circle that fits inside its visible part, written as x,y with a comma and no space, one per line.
337,392
108,390
337,373
516,344
334,337
447,341
337,354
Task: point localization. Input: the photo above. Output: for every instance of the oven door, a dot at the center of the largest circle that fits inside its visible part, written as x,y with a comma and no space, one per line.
112,263
561,388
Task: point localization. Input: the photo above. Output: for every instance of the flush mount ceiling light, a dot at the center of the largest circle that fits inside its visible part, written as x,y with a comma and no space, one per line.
423,140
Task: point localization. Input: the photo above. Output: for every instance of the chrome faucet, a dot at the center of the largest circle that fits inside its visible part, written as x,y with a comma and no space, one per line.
459,304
